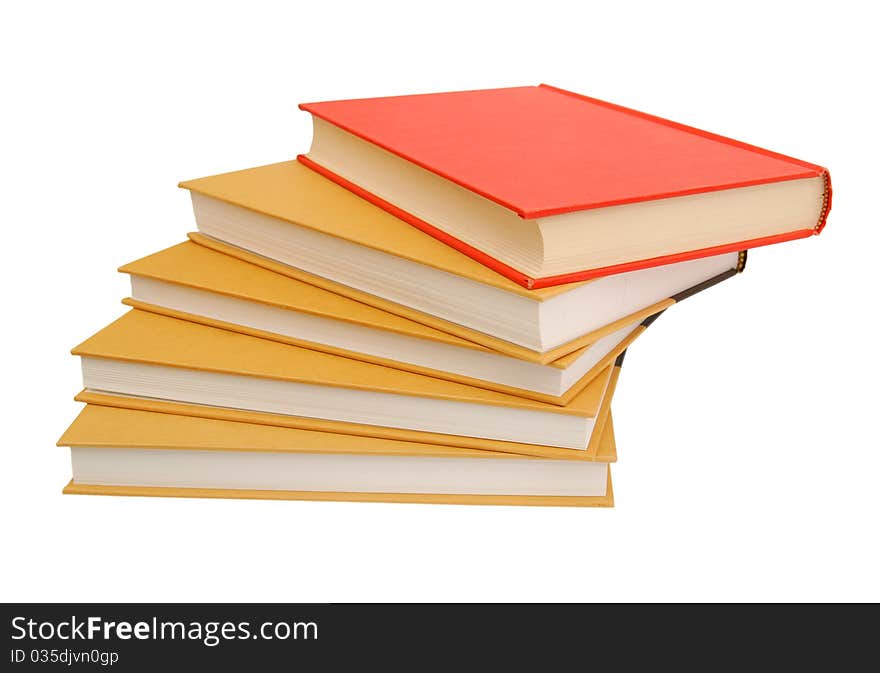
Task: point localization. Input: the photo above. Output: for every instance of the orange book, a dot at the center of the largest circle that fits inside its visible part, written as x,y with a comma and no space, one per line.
149,355
118,451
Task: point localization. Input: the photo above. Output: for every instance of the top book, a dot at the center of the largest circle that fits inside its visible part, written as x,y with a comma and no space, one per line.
548,187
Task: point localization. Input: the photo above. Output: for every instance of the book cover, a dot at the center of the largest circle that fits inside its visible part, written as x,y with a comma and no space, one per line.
606,500
542,151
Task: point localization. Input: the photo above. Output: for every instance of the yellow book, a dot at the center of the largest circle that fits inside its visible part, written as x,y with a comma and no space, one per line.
118,451
325,235
592,451
149,355
196,283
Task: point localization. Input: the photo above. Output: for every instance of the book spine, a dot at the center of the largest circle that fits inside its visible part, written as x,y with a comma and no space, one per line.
826,204
706,284
651,318
699,287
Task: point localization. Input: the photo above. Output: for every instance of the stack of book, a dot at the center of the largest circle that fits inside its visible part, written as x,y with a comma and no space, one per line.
432,305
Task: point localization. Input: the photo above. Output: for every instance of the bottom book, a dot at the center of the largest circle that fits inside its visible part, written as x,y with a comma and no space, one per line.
143,453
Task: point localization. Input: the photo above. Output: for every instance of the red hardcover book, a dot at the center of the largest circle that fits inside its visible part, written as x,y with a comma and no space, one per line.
548,187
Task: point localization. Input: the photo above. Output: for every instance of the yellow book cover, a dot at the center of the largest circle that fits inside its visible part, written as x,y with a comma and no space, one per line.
131,448
196,283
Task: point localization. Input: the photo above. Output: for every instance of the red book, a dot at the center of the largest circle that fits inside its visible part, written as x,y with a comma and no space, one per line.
548,187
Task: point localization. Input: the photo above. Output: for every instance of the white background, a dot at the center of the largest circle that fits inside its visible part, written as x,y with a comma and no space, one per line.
746,418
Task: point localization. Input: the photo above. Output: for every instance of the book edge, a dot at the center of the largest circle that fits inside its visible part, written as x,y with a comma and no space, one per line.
606,500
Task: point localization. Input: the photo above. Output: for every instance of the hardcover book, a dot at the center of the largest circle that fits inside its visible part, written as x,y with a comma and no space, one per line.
118,451
590,452
547,187
149,355
327,236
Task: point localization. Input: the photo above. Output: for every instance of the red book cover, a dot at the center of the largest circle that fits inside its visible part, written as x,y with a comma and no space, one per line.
541,151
